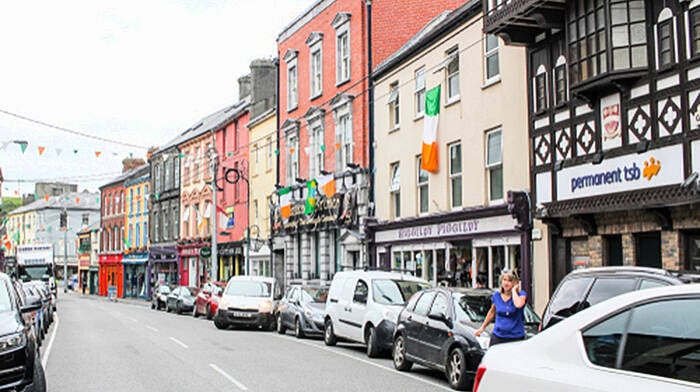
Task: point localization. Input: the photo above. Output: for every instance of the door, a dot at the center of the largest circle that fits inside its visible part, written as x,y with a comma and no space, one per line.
613,250
192,281
415,345
648,249
355,312
435,332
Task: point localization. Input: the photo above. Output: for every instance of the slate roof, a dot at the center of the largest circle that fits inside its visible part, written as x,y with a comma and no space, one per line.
88,201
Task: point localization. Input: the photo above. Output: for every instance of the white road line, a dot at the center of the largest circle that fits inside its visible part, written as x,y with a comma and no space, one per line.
392,370
233,380
178,342
132,319
151,328
45,358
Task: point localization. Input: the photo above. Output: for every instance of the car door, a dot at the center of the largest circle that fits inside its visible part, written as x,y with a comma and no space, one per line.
355,311
436,332
415,344
289,307
342,308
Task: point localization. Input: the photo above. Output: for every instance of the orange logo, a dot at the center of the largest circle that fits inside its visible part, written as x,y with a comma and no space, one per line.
651,168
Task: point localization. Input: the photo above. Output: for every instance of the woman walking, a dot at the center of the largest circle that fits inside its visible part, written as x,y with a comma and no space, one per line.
507,306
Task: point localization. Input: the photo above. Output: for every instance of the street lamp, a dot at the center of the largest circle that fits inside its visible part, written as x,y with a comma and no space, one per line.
232,176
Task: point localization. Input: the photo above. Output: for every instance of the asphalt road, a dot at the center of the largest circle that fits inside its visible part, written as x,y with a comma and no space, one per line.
98,345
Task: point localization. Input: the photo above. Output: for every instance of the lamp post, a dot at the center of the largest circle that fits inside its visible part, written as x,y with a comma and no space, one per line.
64,227
213,157
238,175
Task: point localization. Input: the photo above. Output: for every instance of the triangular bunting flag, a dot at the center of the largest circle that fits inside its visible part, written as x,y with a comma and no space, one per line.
41,149
75,151
59,151
4,145
23,146
97,153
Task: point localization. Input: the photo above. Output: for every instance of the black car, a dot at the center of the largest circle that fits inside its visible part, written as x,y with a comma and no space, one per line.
20,364
160,296
181,300
436,330
585,287
302,309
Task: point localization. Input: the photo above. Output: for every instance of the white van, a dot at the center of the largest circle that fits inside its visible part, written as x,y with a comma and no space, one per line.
363,306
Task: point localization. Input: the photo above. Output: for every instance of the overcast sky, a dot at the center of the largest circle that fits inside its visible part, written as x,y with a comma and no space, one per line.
138,72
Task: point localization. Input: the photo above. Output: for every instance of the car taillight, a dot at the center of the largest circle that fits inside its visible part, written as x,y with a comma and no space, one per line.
479,375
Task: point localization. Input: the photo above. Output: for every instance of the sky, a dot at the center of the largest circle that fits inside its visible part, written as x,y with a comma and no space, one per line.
133,72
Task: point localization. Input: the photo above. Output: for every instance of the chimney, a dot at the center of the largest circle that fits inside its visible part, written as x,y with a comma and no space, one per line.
130,163
243,87
264,86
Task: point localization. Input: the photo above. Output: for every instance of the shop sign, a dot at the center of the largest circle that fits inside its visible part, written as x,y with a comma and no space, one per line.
659,167
189,251
84,260
341,208
205,252
466,227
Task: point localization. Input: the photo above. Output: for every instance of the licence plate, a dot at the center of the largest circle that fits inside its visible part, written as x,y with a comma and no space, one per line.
242,314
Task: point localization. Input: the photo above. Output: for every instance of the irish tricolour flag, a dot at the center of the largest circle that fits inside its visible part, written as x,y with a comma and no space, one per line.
285,202
429,154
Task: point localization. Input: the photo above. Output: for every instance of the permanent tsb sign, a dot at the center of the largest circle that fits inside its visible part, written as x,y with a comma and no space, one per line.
663,166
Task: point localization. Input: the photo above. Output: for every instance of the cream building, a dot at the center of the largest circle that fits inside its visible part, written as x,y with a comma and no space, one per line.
263,177
453,223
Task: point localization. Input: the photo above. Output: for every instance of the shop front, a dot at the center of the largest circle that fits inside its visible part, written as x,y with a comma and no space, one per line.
135,274
231,259
111,274
94,276
162,267
194,270
460,248
83,272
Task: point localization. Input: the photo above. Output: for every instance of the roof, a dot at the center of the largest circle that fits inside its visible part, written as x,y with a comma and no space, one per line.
124,176
438,26
308,14
88,201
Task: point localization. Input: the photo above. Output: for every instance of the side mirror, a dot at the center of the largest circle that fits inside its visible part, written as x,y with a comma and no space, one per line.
32,304
439,316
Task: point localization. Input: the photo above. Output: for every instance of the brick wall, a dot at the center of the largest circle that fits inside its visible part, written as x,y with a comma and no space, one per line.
629,252
670,250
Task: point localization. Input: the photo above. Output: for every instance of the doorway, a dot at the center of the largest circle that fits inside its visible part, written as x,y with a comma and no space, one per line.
648,247
613,250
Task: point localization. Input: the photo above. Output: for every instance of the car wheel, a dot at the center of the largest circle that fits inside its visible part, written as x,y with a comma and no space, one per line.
272,325
373,350
399,354
209,315
153,306
298,332
220,325
178,309
39,379
328,336
457,369
280,327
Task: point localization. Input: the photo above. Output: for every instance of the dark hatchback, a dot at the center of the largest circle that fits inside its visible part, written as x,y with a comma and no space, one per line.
436,330
302,309
20,365
583,288
181,299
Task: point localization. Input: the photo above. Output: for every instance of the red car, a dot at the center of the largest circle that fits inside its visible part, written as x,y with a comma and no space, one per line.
207,300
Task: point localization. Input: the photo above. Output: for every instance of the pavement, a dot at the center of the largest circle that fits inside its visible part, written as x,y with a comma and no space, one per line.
128,300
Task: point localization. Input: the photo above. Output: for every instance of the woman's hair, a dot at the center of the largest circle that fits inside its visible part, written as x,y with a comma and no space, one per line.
512,276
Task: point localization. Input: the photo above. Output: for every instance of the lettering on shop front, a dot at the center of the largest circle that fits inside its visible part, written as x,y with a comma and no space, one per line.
441,229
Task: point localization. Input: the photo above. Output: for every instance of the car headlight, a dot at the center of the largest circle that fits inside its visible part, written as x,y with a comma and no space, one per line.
308,313
223,304
264,306
11,342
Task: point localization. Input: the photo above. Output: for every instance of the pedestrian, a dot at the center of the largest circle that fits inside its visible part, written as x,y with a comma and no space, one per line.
480,282
507,306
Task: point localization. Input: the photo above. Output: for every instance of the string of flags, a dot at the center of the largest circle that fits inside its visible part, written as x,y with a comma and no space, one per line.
24,146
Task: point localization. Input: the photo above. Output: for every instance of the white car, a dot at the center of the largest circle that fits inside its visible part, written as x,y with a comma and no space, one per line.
646,340
363,306
248,301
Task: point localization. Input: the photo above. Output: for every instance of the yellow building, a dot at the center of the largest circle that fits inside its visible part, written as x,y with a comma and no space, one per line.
136,239
263,176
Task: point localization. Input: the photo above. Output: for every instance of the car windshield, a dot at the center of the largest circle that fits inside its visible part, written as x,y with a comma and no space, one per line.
314,294
189,291
5,299
34,273
249,289
475,307
164,290
395,292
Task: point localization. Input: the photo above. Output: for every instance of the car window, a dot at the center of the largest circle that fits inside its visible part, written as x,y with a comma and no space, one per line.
5,298
243,288
164,289
602,341
606,288
314,294
423,304
569,296
663,339
361,292
650,284
472,307
394,292
412,301
439,305
295,295
176,292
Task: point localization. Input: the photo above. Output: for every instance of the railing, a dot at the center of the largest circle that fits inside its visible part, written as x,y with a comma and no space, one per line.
504,9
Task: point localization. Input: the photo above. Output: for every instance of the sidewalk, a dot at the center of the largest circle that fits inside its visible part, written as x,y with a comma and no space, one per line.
129,300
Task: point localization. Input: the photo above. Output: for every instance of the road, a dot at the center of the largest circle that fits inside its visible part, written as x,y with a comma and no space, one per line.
126,346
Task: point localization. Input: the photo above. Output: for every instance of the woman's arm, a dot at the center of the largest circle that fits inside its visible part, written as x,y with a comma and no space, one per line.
487,320
518,300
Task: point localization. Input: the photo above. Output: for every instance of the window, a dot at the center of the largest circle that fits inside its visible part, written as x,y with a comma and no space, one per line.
166,224
316,73
342,57
131,236
131,201
255,211
629,37
176,170
156,228
491,57
316,152
541,89
455,175
440,305
423,193
694,31
453,75
269,154
395,190
292,95
420,92
292,159
187,174
393,102
145,203
345,136
86,219
361,292
197,156
560,94
607,288
236,186
666,47
255,161
168,174
423,304
494,165
138,235
175,225
145,233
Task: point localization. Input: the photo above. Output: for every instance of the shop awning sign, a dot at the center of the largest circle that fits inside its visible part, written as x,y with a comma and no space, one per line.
466,228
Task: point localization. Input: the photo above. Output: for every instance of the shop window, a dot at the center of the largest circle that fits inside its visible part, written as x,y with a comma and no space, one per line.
648,249
420,92
494,165
692,256
491,58
395,190
455,151
394,110
423,194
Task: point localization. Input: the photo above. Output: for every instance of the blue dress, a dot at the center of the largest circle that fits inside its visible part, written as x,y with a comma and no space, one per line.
510,320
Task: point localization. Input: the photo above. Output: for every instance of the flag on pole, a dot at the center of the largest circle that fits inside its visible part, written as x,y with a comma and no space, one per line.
127,243
310,205
285,202
429,154
326,185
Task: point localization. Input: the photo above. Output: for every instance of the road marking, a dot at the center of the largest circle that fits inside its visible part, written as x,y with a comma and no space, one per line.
178,342
132,319
45,358
392,370
233,380
151,328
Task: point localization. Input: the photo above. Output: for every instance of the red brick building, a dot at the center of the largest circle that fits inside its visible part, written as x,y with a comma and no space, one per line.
111,271
324,124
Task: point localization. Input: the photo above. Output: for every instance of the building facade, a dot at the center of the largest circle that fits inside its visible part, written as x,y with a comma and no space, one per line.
135,260
613,92
112,241
450,222
88,257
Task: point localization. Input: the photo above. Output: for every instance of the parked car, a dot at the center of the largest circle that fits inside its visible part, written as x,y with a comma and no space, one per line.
207,300
38,316
248,301
46,299
160,296
181,300
646,340
436,330
586,287
363,307
302,309
20,363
